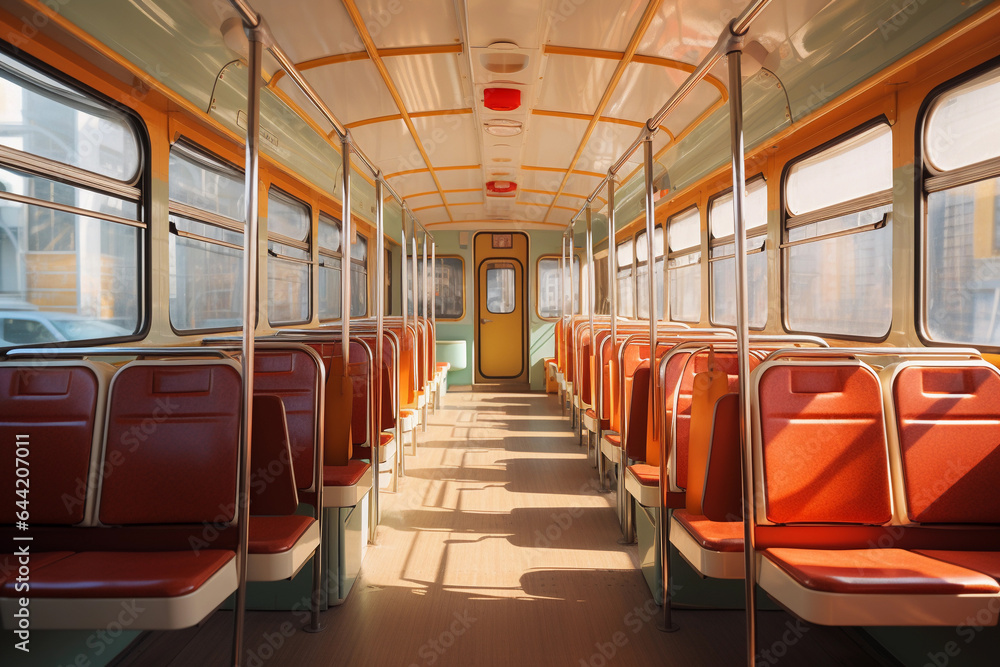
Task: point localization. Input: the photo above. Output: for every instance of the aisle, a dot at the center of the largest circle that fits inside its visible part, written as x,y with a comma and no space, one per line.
499,550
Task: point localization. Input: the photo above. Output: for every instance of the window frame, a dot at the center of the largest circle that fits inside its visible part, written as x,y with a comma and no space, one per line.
673,254
725,240
141,182
464,305
338,254
843,208
632,270
538,283
638,262
305,246
923,172
199,152
363,264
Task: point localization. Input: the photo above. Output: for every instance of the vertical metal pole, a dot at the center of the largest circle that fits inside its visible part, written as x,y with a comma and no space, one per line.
250,243
613,307
591,286
437,387
345,273
416,315
743,343
376,437
562,316
404,297
427,339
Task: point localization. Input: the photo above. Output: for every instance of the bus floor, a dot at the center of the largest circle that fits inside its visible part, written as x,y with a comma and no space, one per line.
500,550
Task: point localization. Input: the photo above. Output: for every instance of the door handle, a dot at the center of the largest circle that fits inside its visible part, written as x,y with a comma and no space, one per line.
484,321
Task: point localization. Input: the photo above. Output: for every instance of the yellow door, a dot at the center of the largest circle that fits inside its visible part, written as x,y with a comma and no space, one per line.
501,314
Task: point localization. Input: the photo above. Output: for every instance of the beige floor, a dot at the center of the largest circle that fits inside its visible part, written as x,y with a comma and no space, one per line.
498,550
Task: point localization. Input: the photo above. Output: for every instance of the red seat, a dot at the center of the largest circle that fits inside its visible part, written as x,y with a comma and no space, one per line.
345,475
10,563
878,571
726,536
125,574
276,534
646,474
614,438
592,414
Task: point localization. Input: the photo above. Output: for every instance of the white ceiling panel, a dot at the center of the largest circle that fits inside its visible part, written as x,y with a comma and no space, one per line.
412,183
429,82
606,144
306,29
465,197
533,211
690,38
574,83
519,21
574,203
645,88
423,202
541,180
594,25
460,179
369,97
582,184
560,216
474,212
448,140
390,145
394,24
432,215
551,142
535,198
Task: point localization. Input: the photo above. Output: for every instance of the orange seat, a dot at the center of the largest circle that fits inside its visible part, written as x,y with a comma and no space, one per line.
726,536
878,571
9,563
646,474
987,562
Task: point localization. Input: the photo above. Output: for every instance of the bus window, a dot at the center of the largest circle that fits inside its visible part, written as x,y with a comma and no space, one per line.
684,265
547,298
329,268
288,259
642,273
206,241
359,277
722,258
837,250
961,236
72,235
624,278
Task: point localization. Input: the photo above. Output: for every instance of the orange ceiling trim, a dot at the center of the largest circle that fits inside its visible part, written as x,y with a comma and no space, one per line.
425,170
531,203
560,170
461,203
417,114
373,53
551,49
670,63
498,223
338,58
603,119
447,192
652,7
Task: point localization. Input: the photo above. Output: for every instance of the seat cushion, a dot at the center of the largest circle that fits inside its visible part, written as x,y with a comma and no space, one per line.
344,475
646,474
592,414
712,535
614,438
386,439
125,574
10,563
878,571
276,534
987,562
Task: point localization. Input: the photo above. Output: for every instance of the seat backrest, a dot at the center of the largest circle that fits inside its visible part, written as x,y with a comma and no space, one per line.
819,443
360,371
171,445
272,477
722,497
296,375
57,408
636,406
944,436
